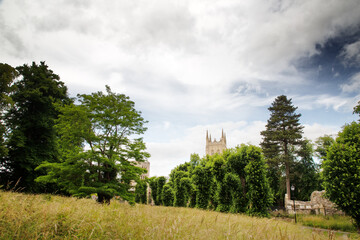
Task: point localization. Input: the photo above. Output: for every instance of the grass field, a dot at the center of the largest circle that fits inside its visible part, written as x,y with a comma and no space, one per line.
25,216
341,223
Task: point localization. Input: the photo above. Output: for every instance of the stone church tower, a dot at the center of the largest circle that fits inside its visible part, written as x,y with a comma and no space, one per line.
213,147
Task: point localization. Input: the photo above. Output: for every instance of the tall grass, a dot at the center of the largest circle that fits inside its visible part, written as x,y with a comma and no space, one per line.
342,223
25,216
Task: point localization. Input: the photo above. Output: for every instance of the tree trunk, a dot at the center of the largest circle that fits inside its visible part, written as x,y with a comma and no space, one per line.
287,172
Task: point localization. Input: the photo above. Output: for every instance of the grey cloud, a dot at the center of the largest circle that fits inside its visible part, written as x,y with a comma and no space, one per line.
270,40
11,42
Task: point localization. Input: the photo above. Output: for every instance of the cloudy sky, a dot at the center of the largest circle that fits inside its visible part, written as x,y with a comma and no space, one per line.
192,66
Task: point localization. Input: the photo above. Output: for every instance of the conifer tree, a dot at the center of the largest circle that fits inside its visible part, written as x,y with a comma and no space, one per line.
283,130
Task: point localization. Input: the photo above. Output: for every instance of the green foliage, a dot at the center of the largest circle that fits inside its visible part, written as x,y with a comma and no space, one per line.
141,192
98,148
160,182
181,188
306,176
167,195
322,145
335,222
341,171
202,179
7,77
238,197
220,182
357,108
283,131
259,193
31,120
154,191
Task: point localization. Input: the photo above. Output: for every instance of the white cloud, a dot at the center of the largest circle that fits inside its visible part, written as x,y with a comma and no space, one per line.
316,130
327,101
209,66
165,155
353,85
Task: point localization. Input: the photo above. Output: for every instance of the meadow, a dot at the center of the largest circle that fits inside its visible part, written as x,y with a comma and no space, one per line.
26,216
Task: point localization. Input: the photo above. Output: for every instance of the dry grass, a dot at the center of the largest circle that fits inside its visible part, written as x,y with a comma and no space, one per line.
52,217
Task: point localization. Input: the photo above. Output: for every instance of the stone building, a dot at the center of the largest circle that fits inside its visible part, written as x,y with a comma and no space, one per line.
213,147
318,204
145,165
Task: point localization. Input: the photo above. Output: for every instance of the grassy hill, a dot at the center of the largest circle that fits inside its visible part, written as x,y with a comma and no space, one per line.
24,216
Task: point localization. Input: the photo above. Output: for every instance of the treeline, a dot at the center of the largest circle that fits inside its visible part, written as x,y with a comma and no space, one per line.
234,181
71,146
248,178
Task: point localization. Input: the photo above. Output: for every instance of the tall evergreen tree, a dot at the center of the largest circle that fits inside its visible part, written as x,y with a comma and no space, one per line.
283,130
31,120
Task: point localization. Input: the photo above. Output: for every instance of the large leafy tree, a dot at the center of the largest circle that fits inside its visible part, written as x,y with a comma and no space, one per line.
7,77
31,120
283,131
341,171
100,145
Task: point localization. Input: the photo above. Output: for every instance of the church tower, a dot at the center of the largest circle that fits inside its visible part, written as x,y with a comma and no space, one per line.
213,147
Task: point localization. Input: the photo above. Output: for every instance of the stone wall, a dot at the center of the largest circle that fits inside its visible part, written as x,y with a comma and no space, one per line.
318,204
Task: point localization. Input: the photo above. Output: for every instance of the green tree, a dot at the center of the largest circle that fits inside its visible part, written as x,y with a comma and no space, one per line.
341,171
283,130
306,176
223,193
181,188
167,195
160,182
100,146
154,189
238,202
357,108
259,193
7,76
202,179
31,120
322,145
141,192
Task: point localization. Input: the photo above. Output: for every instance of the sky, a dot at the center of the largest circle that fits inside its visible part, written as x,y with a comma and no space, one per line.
193,66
